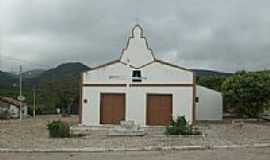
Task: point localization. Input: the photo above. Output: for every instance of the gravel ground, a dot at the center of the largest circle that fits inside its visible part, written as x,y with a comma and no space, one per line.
32,134
222,154
228,133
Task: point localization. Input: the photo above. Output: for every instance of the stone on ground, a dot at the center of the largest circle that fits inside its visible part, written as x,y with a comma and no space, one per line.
127,128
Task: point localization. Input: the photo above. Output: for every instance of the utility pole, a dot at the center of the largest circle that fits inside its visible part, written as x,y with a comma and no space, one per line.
20,92
34,102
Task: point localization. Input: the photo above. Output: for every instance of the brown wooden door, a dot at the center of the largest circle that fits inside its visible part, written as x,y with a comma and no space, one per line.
159,109
112,108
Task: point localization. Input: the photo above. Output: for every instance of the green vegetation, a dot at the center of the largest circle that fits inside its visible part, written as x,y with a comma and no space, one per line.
55,88
244,93
59,87
203,72
59,129
212,82
181,127
247,93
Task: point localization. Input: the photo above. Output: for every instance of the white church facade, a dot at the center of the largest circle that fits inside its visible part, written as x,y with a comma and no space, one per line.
140,87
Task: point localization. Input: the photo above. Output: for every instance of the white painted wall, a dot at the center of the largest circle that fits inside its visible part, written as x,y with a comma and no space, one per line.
137,54
154,73
210,106
135,102
108,74
161,73
15,111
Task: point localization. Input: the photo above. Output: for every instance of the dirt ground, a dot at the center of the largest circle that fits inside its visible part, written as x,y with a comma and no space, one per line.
33,134
221,154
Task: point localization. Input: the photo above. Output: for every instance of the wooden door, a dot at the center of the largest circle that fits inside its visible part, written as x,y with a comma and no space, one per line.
112,108
159,109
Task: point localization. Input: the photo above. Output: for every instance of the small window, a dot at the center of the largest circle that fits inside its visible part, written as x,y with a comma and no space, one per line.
197,99
136,76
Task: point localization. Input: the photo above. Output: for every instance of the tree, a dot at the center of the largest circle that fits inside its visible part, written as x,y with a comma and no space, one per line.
212,82
247,93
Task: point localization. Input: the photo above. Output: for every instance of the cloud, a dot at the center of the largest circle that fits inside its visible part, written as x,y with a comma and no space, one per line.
222,35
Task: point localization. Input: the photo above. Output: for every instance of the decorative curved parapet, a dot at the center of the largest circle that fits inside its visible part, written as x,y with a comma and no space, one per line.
137,52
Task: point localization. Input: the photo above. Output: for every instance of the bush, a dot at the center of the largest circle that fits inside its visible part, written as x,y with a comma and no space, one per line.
181,127
212,82
59,129
247,93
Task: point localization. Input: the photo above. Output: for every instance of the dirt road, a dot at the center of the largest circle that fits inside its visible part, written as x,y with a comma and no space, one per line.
221,154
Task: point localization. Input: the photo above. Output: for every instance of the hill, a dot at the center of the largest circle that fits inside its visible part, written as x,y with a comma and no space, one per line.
203,72
63,70
32,73
7,79
56,87
59,87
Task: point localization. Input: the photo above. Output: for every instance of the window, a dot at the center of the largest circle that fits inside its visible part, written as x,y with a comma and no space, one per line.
136,76
197,99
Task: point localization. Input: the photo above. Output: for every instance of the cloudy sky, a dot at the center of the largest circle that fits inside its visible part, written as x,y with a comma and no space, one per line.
225,35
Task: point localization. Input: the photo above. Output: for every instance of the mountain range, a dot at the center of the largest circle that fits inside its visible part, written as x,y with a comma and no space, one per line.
37,76
57,87
75,68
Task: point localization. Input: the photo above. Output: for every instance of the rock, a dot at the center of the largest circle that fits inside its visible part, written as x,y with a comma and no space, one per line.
127,128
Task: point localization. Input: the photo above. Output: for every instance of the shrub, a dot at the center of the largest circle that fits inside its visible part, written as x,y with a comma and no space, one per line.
212,82
247,93
181,127
59,129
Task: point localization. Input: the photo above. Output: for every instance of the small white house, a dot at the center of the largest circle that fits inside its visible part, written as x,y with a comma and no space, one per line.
140,87
10,107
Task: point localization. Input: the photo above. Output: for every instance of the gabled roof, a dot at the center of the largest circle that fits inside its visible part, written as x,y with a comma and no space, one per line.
106,64
173,65
12,101
156,60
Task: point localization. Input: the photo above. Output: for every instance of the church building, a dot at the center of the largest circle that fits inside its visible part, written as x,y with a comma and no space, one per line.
138,86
